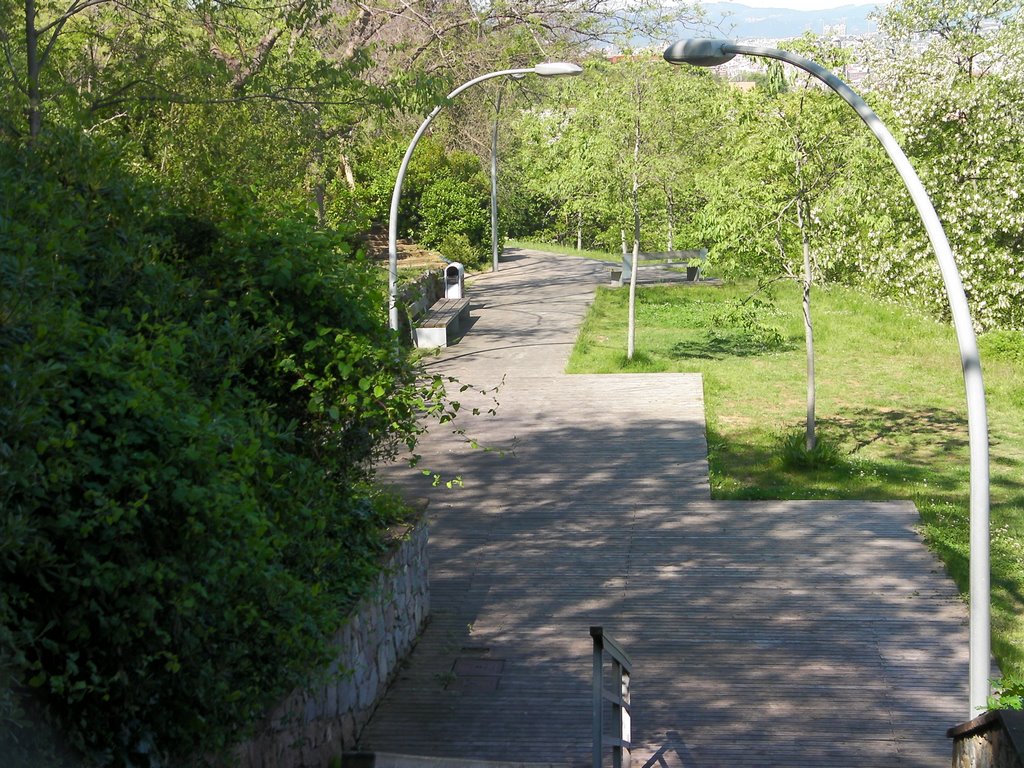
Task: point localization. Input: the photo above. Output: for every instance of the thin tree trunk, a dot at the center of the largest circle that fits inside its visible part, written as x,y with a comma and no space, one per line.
579,230
346,167
671,220
635,200
801,218
35,115
631,332
319,183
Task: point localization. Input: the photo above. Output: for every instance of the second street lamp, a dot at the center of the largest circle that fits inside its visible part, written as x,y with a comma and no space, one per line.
712,53
547,69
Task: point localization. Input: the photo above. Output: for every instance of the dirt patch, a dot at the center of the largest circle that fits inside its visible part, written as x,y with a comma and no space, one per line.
410,255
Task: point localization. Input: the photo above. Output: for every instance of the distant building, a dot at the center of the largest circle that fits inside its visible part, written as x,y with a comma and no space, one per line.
835,31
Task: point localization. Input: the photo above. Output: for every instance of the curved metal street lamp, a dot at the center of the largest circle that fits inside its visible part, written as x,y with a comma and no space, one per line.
547,69
711,53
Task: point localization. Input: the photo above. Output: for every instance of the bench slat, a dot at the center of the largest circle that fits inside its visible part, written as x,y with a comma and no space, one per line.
432,329
681,258
443,312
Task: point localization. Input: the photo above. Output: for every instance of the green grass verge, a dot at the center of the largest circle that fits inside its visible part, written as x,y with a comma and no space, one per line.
890,405
551,248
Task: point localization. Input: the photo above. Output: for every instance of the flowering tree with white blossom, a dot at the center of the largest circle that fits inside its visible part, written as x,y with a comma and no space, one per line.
952,72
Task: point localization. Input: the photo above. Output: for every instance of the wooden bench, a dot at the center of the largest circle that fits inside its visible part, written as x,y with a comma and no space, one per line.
682,258
443,317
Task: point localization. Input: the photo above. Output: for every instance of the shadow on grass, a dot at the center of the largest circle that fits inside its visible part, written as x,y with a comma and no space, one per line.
721,346
919,449
939,432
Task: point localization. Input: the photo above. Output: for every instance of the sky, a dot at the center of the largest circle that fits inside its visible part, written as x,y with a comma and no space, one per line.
805,5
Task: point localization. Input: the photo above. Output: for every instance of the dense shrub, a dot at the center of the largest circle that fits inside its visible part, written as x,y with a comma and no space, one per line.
445,195
189,411
454,207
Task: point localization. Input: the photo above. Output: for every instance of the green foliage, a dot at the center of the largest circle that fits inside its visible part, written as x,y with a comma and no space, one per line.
743,328
1007,693
785,152
571,164
795,455
451,207
615,258
458,248
1002,345
190,411
445,195
957,103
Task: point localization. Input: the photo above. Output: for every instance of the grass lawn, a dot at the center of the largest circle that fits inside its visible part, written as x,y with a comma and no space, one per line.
890,396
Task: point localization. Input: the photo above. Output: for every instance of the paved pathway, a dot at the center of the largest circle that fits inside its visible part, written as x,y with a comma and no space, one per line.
762,633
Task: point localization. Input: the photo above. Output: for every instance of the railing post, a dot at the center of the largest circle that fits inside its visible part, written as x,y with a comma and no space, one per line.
617,713
598,698
621,742
625,718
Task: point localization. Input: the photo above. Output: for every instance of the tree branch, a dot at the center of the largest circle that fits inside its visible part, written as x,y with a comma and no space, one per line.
74,9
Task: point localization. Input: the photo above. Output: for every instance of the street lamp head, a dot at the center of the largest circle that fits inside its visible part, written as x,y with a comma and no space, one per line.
556,68
701,52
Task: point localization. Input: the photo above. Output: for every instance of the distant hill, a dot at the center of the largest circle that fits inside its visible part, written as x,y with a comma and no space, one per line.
741,22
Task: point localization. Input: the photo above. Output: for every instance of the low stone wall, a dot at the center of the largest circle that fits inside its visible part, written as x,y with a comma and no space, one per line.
311,727
993,740
417,296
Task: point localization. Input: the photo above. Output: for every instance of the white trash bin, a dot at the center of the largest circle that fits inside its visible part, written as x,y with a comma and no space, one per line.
454,281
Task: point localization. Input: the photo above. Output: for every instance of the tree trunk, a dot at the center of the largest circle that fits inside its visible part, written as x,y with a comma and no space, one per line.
346,167
631,331
316,168
801,218
32,66
635,200
579,230
671,221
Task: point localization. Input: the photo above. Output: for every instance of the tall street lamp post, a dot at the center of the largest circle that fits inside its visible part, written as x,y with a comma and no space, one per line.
711,53
547,69
494,183
494,178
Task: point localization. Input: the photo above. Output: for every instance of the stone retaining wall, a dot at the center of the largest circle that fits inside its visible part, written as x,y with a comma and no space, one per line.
311,727
992,740
418,295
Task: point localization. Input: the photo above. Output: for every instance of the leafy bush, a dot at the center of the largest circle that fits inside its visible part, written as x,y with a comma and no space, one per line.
189,413
457,248
742,329
450,207
444,194
1007,693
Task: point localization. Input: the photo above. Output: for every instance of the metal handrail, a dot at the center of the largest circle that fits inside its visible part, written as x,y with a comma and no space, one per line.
622,670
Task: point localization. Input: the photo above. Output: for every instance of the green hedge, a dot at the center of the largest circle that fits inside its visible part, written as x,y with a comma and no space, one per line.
189,412
445,202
